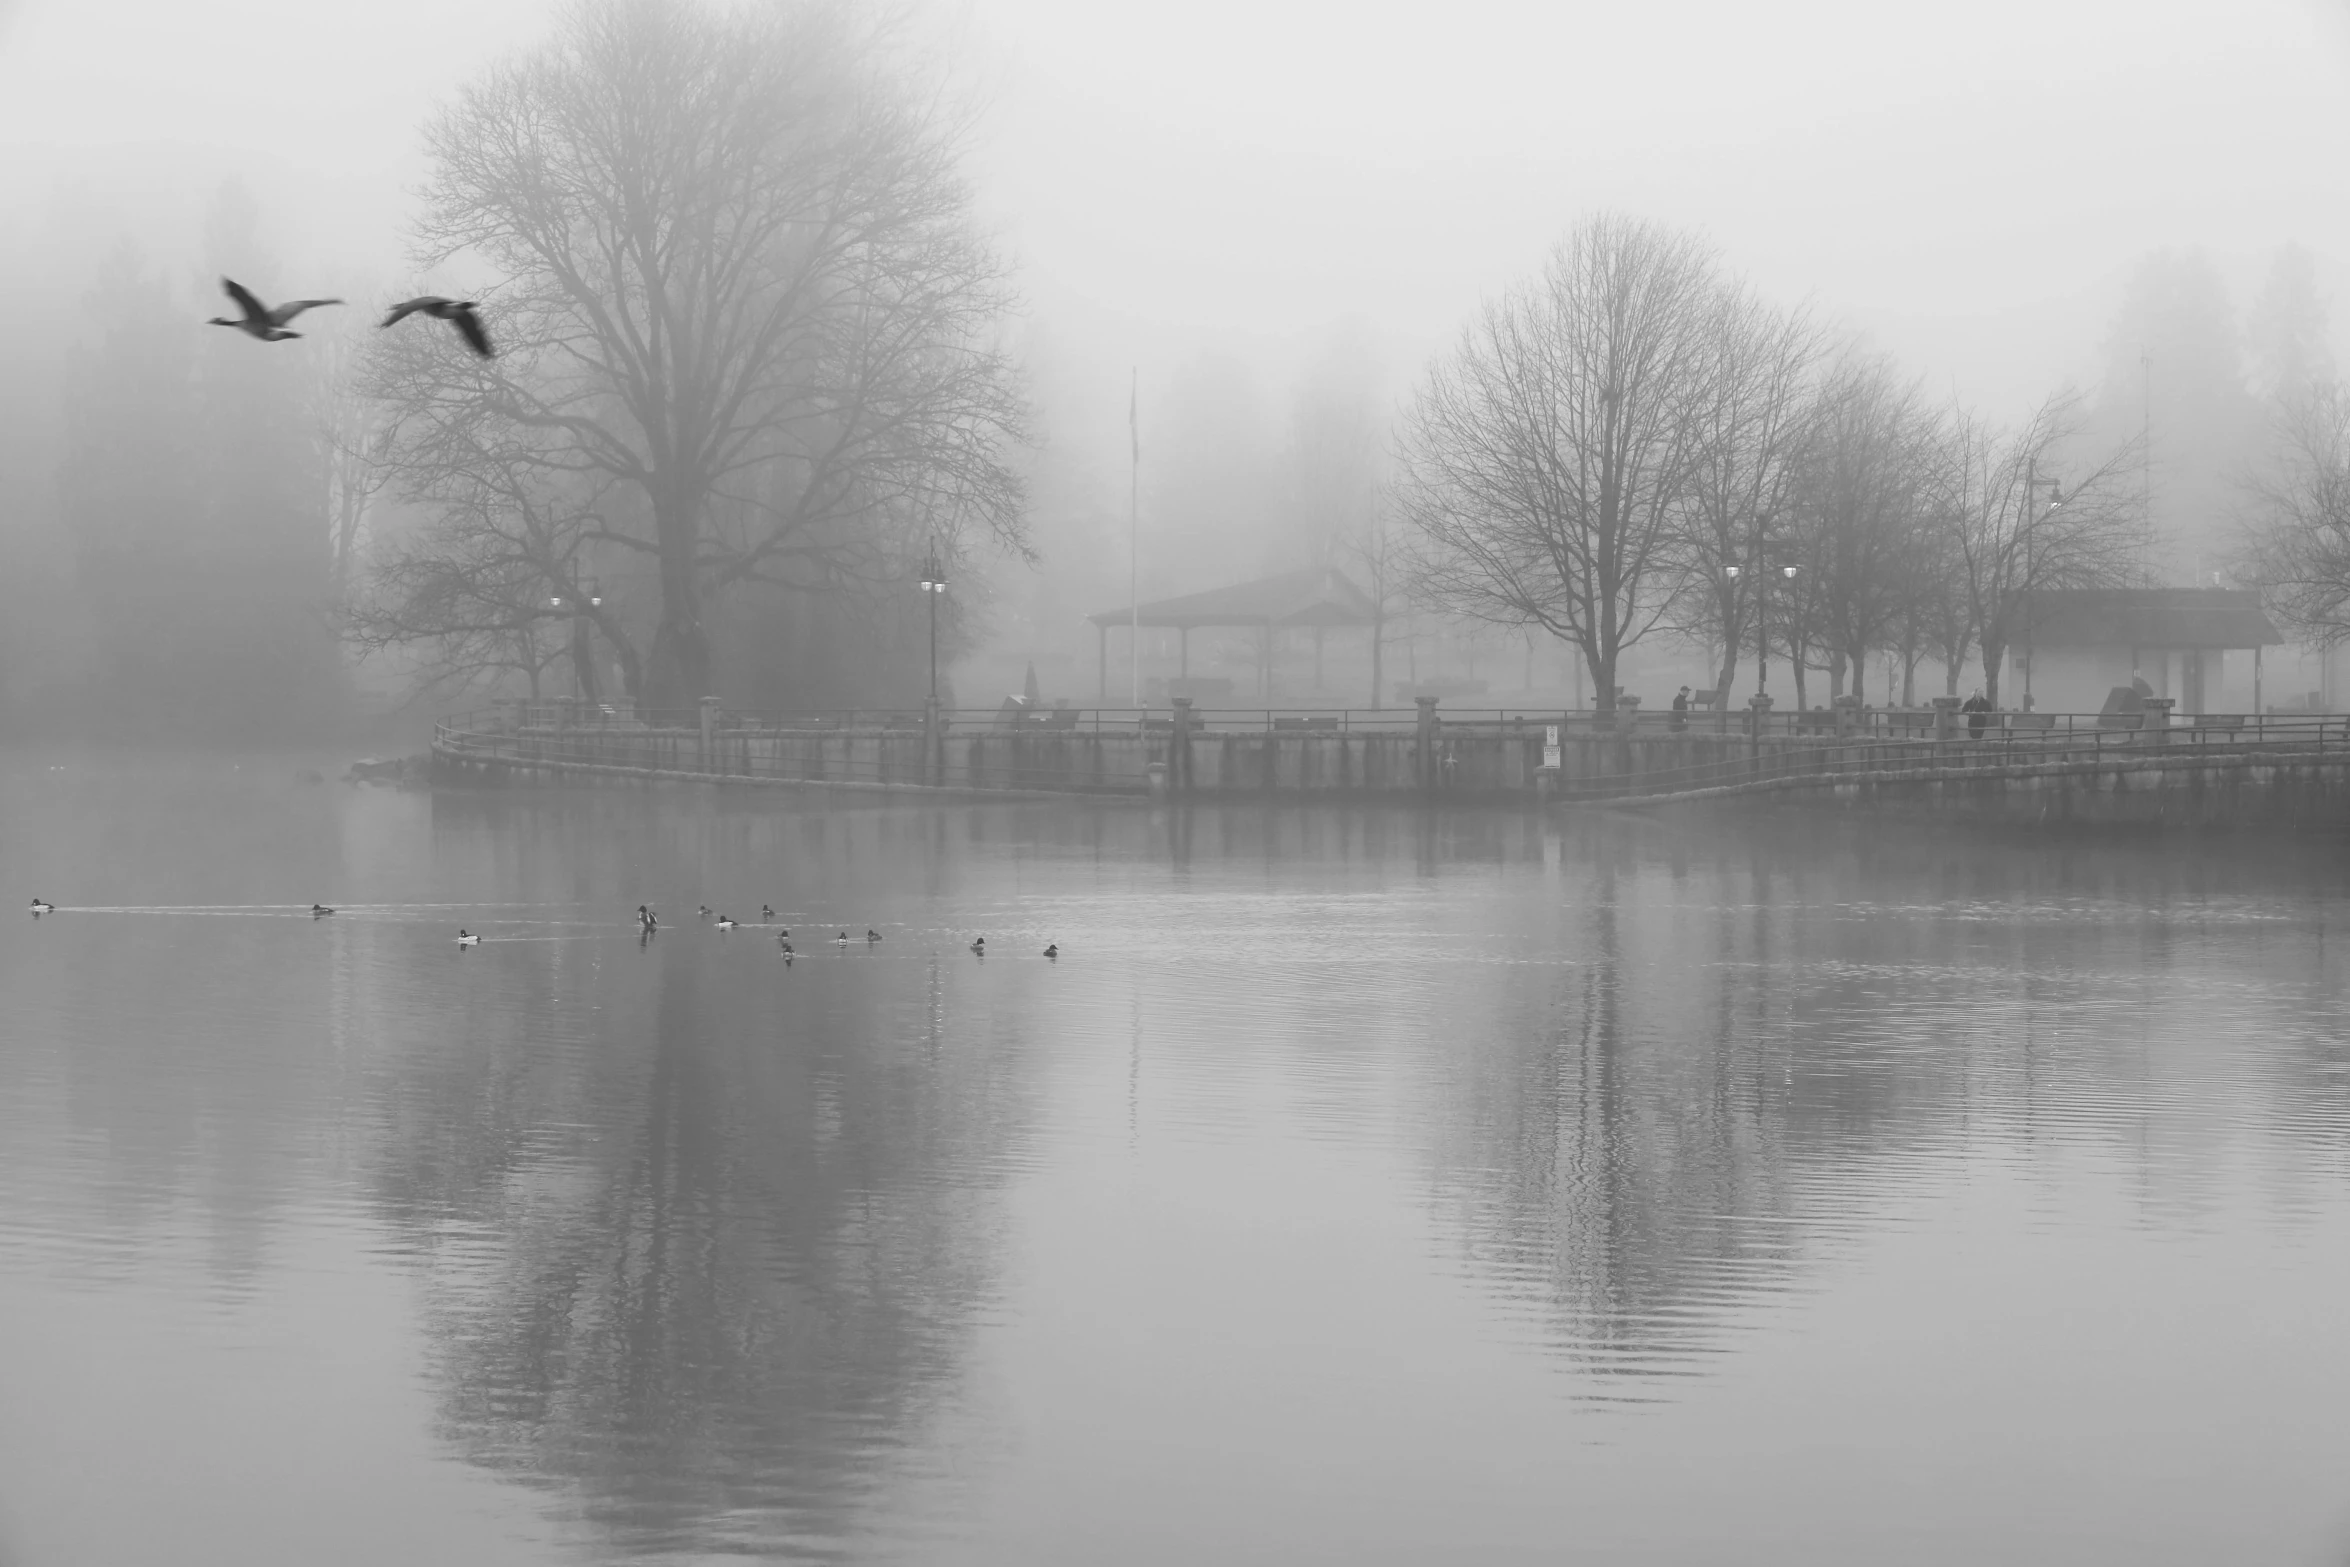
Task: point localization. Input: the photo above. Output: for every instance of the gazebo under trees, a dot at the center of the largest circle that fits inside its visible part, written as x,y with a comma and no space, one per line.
1314,598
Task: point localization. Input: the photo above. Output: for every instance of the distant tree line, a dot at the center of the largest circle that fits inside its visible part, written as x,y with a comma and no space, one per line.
1634,444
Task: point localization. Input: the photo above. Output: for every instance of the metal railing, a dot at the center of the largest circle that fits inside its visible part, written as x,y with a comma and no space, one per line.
2083,743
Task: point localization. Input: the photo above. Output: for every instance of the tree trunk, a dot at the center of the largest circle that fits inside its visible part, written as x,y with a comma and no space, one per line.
1837,668
1603,679
679,676
1992,654
1796,664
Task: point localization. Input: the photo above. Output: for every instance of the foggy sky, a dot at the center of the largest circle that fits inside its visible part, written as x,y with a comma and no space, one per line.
1969,184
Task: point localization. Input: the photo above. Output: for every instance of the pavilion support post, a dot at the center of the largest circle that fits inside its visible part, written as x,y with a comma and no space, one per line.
2257,709
1101,648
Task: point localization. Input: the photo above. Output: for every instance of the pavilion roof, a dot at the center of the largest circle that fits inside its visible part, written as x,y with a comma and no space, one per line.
1313,596
2152,618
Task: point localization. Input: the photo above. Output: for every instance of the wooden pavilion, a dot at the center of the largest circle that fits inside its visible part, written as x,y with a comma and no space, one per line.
1315,598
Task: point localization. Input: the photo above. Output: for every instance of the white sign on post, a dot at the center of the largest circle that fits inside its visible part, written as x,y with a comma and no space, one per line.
1550,745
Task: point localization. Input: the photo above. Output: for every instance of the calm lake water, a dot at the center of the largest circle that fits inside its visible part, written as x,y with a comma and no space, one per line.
1356,1187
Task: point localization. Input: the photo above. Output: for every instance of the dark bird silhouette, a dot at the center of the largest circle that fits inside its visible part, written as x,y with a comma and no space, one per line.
725,924
766,913
457,312
42,907
979,945
1053,951
646,920
466,938
841,940
260,320
872,935
319,911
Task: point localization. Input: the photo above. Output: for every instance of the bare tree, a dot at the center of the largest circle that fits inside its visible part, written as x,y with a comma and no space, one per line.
1860,510
1755,404
1544,462
353,436
2011,544
1385,572
505,555
743,286
2297,538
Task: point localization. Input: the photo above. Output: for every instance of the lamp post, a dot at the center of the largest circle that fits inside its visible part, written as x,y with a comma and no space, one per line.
583,669
1762,624
934,583
2032,516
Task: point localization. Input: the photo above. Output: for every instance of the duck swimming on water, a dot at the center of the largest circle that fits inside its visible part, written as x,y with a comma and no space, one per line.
841,940
319,911
871,936
646,919
979,945
724,923
466,938
1053,951
766,913
42,907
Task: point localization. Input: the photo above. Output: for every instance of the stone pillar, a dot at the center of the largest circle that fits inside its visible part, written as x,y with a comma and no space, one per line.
934,743
2155,721
1424,753
1179,748
1946,718
707,759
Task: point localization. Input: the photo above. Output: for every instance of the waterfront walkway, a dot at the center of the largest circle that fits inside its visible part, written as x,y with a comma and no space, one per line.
2048,764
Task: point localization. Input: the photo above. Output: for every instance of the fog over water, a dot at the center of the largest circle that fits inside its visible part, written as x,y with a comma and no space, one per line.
1363,1187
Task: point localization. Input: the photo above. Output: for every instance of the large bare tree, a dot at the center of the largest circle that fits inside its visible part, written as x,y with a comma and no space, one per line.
1543,462
741,289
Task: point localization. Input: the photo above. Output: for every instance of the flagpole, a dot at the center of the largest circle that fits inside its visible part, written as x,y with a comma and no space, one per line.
1134,539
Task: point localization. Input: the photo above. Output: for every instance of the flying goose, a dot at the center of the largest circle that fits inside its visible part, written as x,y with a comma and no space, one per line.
458,312
260,320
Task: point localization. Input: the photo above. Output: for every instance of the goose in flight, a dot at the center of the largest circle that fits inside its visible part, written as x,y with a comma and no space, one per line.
265,322
457,312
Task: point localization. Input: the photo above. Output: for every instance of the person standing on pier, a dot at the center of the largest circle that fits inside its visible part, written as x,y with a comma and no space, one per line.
1978,710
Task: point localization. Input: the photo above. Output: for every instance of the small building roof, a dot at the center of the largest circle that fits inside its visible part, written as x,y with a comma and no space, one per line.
2151,618
1313,596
